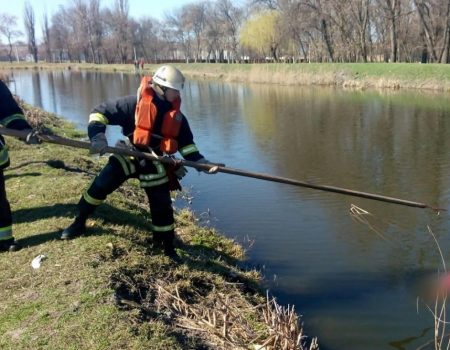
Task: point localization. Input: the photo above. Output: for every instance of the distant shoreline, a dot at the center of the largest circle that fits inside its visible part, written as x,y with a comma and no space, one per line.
431,77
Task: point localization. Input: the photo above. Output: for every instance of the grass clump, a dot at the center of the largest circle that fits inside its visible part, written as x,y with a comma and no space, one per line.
110,289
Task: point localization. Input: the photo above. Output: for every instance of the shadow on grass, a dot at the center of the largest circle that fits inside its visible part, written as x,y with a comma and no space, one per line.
197,255
32,241
106,212
11,176
52,163
45,212
21,165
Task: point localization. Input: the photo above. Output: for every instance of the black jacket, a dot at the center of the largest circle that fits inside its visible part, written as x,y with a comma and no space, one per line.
122,112
11,116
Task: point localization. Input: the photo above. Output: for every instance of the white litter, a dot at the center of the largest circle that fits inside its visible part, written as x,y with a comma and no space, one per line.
36,263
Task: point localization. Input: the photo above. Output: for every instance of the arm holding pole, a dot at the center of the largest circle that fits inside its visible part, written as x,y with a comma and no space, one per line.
212,167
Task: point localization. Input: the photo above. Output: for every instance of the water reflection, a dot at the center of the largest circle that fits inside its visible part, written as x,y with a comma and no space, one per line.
68,93
355,288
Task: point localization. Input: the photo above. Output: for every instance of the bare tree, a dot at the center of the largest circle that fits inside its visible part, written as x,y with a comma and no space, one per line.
85,17
265,4
213,35
117,22
57,34
231,18
195,17
46,37
434,18
392,12
313,30
30,27
424,14
359,15
181,30
7,28
323,25
445,57
94,29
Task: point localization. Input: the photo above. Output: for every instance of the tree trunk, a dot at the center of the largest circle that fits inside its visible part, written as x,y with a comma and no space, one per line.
10,50
273,50
363,30
393,10
445,49
29,21
426,30
393,36
326,38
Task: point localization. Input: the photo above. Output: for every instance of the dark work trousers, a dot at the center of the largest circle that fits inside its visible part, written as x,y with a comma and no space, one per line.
5,212
111,177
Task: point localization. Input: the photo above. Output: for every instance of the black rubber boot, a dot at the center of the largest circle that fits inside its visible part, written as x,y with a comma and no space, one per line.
9,245
164,241
158,240
76,229
169,247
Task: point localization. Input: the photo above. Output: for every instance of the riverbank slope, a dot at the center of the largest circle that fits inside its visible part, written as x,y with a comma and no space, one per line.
110,289
347,75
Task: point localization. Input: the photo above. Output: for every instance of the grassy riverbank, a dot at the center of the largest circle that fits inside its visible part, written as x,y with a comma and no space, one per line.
110,289
347,75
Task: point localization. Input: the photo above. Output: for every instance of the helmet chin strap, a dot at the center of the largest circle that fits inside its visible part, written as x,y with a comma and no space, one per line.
158,91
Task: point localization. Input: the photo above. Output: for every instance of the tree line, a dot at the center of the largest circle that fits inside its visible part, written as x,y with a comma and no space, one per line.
252,31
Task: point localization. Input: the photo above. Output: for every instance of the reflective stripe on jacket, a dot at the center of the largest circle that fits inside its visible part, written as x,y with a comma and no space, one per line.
4,156
11,118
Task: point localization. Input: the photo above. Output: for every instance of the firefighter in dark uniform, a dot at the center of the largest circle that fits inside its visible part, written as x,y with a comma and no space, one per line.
11,116
152,121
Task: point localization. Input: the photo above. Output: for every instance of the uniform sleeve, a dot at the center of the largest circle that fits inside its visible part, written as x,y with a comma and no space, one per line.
186,145
112,112
11,115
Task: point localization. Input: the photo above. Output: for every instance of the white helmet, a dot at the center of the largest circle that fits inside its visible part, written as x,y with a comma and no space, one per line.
169,76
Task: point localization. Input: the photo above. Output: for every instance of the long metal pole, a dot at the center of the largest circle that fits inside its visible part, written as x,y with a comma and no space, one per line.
219,168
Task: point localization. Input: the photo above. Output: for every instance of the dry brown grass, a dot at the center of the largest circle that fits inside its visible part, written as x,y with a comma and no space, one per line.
433,77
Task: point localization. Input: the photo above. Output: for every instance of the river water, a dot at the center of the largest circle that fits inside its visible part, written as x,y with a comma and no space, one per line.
355,283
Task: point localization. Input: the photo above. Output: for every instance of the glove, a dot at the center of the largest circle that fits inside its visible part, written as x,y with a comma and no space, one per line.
98,144
33,138
180,172
212,170
125,144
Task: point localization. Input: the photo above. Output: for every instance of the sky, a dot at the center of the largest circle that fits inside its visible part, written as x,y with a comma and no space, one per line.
138,8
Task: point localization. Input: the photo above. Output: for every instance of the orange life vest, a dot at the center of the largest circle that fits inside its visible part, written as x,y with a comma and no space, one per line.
145,117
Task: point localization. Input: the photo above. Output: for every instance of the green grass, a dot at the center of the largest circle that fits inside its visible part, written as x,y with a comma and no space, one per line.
76,299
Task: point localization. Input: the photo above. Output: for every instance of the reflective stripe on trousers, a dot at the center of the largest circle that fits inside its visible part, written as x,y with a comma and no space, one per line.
4,157
154,179
163,228
6,233
116,172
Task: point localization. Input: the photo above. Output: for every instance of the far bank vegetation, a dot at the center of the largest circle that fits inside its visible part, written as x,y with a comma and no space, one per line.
234,32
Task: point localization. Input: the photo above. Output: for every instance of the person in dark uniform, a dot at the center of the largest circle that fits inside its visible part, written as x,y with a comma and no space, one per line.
11,116
152,121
